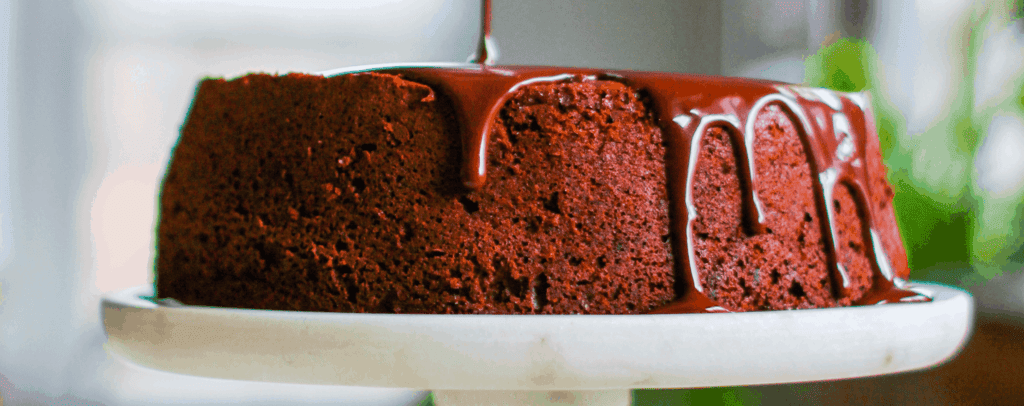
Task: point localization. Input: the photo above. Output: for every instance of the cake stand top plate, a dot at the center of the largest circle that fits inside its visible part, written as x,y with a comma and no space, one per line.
528,352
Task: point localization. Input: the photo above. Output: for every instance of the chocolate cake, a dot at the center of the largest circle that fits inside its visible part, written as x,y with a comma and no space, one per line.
526,190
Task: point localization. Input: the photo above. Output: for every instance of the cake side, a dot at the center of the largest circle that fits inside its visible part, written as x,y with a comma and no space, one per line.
278,183
784,267
525,190
577,201
881,198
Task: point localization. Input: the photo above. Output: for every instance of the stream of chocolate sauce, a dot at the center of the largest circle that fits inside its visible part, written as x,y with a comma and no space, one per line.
486,51
833,128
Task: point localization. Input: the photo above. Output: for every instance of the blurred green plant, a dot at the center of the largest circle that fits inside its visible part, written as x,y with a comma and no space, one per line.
946,219
732,396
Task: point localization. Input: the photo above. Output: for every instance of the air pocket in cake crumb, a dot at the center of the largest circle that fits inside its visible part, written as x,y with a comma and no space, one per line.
469,205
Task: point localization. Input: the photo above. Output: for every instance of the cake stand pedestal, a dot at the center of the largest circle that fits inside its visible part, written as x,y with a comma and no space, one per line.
562,360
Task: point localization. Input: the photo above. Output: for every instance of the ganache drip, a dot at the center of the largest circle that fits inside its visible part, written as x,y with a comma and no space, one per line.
686,107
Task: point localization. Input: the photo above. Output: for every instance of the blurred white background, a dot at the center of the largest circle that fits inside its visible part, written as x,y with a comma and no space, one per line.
97,89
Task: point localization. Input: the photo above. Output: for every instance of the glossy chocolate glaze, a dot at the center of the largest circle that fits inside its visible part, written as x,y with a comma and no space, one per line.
832,126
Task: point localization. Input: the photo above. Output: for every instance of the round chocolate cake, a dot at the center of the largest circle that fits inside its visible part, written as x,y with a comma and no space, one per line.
526,190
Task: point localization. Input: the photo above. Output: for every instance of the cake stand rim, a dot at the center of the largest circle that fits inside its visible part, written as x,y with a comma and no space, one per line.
544,352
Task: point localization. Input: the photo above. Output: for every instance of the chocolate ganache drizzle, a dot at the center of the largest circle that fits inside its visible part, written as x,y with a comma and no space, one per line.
833,128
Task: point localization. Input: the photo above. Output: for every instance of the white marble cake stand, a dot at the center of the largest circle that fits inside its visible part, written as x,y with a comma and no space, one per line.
537,359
